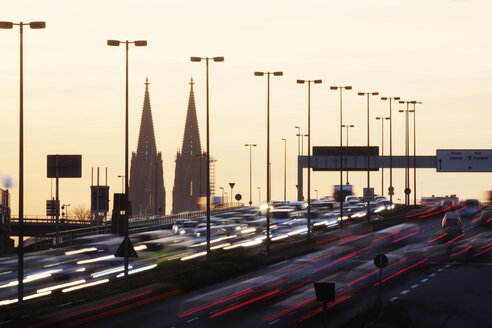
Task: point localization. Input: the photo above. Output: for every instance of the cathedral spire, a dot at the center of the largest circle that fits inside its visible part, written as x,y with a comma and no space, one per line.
191,138
146,138
148,195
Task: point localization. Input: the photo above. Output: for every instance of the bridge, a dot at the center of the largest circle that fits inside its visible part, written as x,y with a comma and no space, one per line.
136,224
42,226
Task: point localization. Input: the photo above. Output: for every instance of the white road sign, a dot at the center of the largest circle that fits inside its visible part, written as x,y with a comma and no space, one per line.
464,160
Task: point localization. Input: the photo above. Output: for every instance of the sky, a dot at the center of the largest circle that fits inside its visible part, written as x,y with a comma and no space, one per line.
437,52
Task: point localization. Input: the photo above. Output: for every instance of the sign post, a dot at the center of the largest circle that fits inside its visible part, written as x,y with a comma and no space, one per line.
380,261
325,292
63,166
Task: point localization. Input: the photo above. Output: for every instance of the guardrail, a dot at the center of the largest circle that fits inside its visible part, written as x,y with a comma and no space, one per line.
136,224
50,221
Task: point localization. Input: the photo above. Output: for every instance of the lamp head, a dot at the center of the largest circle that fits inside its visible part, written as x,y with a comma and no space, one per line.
37,25
218,59
278,73
360,93
318,81
375,93
396,98
196,59
301,81
384,98
348,87
141,43
259,73
333,88
6,25
113,43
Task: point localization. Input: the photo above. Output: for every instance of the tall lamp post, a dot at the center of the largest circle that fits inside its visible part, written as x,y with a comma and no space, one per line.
415,154
207,59
285,168
407,151
250,171
298,135
391,189
20,247
122,183
268,187
368,94
348,126
382,150
223,199
116,43
341,88
309,152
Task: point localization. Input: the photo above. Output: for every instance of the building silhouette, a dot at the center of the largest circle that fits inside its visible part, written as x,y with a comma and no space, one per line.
147,193
190,179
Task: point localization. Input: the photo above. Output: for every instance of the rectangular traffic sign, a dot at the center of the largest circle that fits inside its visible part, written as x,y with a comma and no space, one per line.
464,160
368,194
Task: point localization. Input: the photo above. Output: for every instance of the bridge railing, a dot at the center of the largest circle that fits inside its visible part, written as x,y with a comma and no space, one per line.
136,224
50,221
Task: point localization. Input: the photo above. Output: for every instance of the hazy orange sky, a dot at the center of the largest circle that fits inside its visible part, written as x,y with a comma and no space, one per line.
437,52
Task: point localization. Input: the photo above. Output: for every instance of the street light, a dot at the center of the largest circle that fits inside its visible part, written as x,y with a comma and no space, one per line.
298,135
122,181
407,152
285,168
309,152
250,171
347,126
382,150
391,189
341,88
20,247
116,43
415,154
268,187
367,150
197,60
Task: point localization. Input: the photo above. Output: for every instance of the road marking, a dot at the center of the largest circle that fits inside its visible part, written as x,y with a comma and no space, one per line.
447,265
216,310
403,292
415,286
274,321
195,318
293,312
424,280
432,275
439,270
394,299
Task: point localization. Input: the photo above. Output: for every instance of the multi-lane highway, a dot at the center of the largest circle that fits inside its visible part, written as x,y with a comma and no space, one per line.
421,269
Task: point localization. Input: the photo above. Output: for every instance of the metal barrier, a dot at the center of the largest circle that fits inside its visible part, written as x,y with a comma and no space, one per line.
50,221
136,224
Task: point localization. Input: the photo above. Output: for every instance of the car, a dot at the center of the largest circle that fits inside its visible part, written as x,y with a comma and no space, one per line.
470,208
484,218
178,224
188,227
451,224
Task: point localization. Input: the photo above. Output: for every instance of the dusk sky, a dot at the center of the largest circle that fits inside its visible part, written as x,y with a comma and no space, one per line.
437,52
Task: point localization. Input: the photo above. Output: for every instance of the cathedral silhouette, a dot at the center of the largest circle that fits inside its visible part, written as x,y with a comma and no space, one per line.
147,192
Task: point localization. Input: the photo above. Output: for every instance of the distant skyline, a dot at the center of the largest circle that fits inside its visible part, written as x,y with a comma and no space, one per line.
436,52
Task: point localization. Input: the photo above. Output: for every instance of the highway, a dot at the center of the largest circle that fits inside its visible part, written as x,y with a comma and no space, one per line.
282,294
